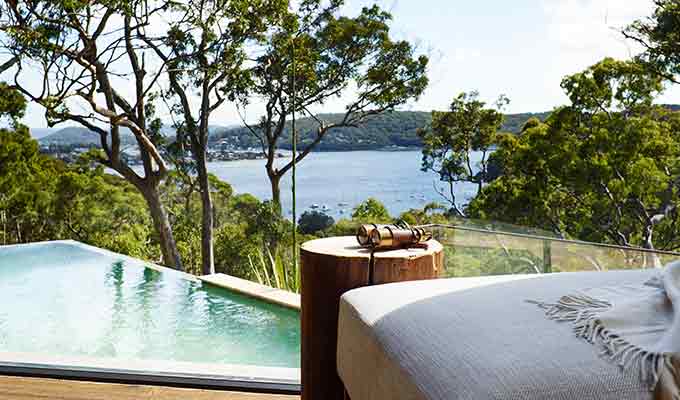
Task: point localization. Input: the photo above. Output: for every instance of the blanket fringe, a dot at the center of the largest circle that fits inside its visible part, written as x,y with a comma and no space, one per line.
583,311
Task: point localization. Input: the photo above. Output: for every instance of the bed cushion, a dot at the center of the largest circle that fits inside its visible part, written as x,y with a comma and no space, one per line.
475,338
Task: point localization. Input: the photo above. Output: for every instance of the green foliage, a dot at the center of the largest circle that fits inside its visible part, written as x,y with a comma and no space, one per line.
314,221
466,261
104,211
43,199
342,227
269,225
452,137
234,248
68,43
604,169
27,181
371,211
433,213
334,50
275,270
27,188
12,103
660,37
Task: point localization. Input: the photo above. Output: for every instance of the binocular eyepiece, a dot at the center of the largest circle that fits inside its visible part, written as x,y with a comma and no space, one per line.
391,236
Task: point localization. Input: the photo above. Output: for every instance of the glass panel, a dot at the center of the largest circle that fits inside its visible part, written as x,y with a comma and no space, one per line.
476,250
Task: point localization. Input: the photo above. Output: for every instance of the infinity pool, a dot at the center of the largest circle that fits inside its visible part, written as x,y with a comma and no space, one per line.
68,300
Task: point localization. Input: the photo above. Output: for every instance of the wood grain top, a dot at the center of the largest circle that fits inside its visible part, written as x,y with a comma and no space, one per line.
347,247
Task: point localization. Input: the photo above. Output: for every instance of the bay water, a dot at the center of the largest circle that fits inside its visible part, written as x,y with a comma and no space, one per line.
336,182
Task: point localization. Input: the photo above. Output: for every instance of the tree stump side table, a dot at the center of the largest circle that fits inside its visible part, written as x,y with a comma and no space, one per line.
331,267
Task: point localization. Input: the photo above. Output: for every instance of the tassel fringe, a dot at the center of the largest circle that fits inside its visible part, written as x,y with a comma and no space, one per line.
583,311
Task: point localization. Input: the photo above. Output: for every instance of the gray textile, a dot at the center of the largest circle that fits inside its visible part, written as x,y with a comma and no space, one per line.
475,338
635,326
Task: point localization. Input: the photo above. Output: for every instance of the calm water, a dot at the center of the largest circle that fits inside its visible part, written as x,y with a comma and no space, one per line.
341,180
64,300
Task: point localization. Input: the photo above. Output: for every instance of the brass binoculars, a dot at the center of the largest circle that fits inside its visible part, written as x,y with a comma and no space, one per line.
391,236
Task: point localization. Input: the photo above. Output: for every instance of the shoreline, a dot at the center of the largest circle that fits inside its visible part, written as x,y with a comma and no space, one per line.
228,155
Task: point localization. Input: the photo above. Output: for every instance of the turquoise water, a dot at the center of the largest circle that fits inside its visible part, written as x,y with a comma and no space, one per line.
63,299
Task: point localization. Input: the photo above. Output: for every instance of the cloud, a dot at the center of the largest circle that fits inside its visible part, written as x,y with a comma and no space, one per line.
587,28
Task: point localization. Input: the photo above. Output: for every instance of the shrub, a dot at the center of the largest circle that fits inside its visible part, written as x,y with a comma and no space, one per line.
314,221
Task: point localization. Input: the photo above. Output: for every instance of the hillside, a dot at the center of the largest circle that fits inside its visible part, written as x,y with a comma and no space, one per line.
395,129
74,135
39,133
392,130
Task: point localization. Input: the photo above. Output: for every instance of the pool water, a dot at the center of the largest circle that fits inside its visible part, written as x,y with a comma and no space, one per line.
66,299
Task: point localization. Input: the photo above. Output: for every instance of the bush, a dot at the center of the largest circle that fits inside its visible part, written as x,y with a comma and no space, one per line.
371,211
314,221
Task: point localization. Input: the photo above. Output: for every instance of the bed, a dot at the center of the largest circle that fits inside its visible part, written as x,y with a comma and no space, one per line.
475,338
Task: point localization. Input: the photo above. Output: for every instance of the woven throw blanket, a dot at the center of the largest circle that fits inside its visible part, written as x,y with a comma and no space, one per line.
636,326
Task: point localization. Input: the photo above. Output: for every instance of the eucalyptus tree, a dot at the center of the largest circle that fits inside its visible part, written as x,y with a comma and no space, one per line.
76,59
26,178
659,36
205,47
321,56
604,168
454,136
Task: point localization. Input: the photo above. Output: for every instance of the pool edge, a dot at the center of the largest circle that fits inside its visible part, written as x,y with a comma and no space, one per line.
253,289
95,249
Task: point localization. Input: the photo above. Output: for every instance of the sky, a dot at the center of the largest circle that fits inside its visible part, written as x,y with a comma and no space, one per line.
519,48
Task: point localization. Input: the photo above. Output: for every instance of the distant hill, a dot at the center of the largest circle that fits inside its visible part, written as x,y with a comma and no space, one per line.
74,135
513,122
390,130
394,129
38,133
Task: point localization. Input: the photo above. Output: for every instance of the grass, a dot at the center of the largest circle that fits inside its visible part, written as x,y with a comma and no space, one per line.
271,270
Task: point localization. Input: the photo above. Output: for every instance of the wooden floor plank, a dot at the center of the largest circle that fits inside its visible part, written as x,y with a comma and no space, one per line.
19,388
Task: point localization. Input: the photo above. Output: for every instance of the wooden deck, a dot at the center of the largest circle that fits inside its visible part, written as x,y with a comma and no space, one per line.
16,388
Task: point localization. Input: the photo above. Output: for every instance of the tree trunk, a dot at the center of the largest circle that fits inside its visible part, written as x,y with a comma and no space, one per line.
207,223
275,181
647,235
171,257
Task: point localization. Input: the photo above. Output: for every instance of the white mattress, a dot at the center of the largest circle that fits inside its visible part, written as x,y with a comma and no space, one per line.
475,338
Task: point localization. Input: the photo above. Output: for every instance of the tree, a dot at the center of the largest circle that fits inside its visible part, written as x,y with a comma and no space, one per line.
42,198
182,196
605,168
432,213
320,56
314,221
204,50
102,210
452,138
84,50
371,211
659,35
26,177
